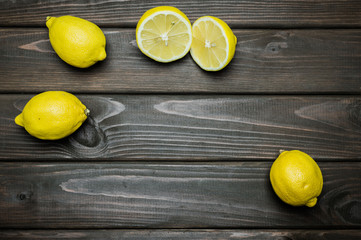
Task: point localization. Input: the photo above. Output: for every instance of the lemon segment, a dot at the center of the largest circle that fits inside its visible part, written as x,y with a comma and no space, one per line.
214,43
52,115
164,34
296,178
77,41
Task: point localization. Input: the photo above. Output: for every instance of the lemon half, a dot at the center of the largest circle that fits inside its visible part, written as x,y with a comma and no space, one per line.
164,34
214,43
296,178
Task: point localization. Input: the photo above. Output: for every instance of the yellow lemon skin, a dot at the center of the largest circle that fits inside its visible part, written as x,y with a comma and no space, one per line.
206,43
52,115
167,46
296,178
77,41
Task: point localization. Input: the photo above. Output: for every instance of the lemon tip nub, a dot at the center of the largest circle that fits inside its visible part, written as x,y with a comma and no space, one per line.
49,21
102,55
312,202
19,120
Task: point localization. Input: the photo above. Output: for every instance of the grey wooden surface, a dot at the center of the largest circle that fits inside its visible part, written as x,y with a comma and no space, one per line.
214,234
195,127
171,151
271,61
238,13
169,195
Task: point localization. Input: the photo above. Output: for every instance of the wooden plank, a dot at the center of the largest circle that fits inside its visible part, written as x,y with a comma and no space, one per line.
164,195
266,61
184,127
245,13
183,234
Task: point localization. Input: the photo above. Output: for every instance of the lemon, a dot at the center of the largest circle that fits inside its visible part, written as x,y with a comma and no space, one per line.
52,115
296,178
77,41
214,43
164,34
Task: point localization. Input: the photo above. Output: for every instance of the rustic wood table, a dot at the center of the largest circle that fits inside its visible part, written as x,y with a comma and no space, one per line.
171,151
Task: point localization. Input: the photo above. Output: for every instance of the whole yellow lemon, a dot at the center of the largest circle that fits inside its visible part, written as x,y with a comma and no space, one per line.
77,41
296,178
52,115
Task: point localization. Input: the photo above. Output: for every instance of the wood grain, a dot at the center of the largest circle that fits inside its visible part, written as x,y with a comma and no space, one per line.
244,13
266,61
210,234
171,151
186,127
163,195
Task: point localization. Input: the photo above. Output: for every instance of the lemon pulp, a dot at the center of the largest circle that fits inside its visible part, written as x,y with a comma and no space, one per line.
164,34
214,43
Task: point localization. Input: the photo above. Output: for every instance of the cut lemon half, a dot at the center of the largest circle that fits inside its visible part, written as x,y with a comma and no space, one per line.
214,43
164,34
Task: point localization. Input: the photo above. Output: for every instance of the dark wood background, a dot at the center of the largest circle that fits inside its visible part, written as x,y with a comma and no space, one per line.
171,151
